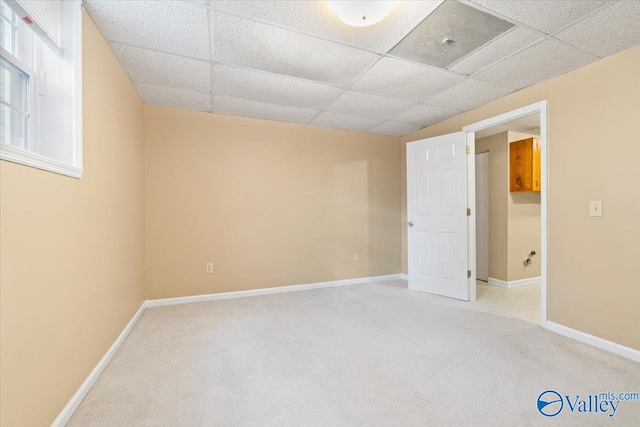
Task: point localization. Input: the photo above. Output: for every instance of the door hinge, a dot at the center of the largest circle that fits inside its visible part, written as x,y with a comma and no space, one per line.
468,211
467,149
469,274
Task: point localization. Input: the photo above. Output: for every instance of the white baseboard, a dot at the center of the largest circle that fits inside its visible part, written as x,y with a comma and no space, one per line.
514,283
67,412
620,350
266,291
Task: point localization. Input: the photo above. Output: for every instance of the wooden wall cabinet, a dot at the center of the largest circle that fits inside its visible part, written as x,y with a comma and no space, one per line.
524,165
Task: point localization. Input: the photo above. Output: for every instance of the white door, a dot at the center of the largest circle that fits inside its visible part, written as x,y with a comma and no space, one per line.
482,216
437,215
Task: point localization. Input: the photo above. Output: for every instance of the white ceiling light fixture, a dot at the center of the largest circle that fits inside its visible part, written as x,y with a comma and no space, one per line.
361,13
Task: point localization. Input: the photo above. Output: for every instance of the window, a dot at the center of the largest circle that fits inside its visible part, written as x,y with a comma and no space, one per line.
41,84
15,114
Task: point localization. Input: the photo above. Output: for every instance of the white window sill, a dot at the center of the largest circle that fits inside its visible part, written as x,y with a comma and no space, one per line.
27,158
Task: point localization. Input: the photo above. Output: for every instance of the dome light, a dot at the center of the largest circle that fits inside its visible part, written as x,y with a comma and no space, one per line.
360,13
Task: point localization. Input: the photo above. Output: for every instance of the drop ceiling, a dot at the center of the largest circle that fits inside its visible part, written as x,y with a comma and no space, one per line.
527,124
449,33
295,61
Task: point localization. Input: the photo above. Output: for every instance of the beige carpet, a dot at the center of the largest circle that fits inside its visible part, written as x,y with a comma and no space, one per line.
362,355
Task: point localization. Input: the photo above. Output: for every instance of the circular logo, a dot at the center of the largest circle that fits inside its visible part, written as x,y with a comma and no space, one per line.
550,403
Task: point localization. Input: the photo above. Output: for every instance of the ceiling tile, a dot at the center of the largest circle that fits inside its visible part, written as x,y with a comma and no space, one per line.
425,115
267,71
469,94
168,26
367,105
341,121
526,122
261,110
148,66
251,44
532,131
316,17
449,33
493,130
395,128
540,62
177,98
262,86
505,45
405,80
547,16
611,30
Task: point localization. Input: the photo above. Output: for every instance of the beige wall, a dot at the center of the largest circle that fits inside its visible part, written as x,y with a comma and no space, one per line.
274,204
524,228
498,210
514,218
593,155
72,251
269,204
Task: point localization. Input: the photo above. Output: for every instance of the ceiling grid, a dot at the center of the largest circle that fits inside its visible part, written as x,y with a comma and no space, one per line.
211,60
297,62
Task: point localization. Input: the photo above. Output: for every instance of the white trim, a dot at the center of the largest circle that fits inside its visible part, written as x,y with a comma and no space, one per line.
514,283
35,160
31,95
471,219
542,108
506,117
78,135
592,340
497,282
266,291
544,208
404,276
67,412
38,161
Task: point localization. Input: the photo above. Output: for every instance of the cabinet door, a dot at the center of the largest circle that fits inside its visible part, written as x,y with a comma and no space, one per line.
536,164
524,165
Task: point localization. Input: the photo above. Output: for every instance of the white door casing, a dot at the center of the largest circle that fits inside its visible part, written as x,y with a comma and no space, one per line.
540,107
482,216
437,234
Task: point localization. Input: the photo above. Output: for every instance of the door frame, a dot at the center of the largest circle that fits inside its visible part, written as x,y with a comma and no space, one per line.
540,107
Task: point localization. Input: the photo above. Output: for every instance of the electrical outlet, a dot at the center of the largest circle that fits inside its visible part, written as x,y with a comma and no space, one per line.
208,268
355,257
595,208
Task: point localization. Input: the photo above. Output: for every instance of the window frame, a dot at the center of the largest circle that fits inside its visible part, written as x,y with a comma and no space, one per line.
31,90
30,158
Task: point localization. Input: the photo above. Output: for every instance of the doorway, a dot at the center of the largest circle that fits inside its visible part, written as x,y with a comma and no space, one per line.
441,199
508,218
483,188
511,269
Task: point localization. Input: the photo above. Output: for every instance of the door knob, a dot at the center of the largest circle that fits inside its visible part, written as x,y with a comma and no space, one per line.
410,223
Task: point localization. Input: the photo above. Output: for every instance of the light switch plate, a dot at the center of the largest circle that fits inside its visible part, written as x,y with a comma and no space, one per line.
595,208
